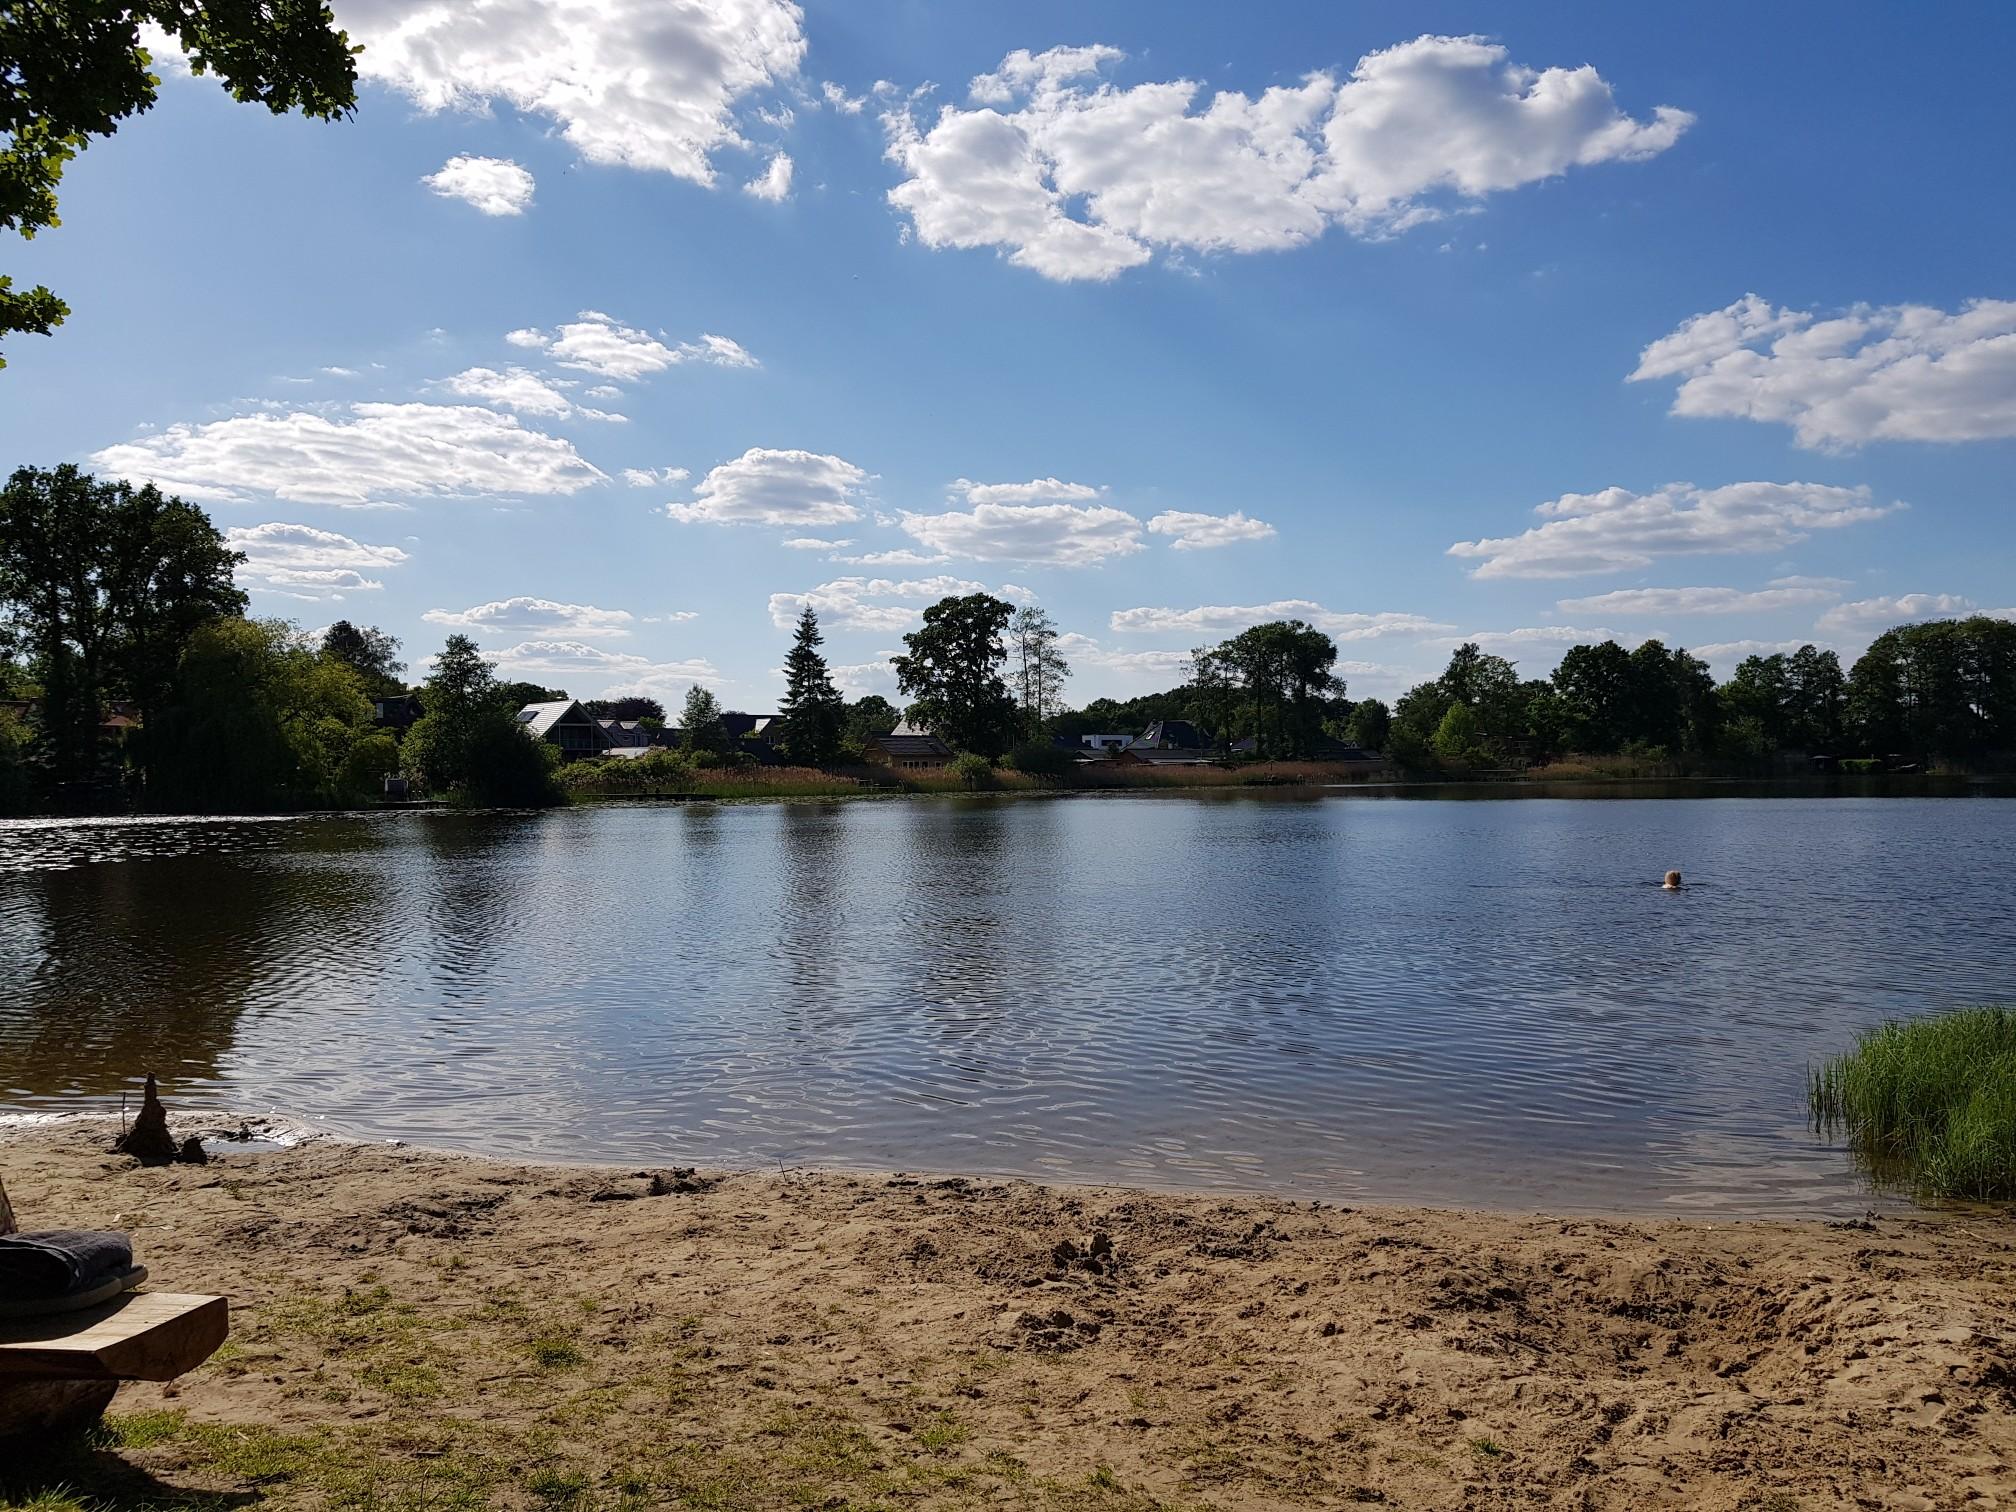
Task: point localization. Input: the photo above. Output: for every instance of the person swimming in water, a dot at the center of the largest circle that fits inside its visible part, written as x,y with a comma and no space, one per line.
1672,882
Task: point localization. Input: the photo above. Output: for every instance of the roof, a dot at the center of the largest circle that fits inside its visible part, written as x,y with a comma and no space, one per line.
540,718
908,743
1171,735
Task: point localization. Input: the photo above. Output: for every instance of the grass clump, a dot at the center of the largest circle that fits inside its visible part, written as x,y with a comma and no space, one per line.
1929,1105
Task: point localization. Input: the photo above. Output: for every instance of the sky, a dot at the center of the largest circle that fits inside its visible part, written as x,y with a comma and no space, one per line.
613,332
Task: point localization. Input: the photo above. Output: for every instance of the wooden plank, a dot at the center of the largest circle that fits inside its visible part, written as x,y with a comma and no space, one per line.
142,1336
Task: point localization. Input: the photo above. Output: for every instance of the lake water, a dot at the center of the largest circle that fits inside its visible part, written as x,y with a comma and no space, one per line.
1336,997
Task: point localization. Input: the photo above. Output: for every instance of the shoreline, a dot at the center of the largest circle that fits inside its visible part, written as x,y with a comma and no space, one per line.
468,1330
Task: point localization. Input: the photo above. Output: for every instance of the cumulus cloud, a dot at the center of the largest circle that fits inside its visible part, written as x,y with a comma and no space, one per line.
842,101
516,388
901,557
412,450
650,477
636,83
600,344
813,543
1700,600
774,184
1724,656
1417,130
860,603
1875,614
1035,491
1874,373
496,186
534,616
1230,619
765,486
1063,535
1200,532
1084,653
1618,530
305,562
567,662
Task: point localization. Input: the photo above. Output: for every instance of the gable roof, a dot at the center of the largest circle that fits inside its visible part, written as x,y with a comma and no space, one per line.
906,742
540,718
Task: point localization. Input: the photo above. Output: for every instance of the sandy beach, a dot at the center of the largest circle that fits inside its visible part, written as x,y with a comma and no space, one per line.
418,1329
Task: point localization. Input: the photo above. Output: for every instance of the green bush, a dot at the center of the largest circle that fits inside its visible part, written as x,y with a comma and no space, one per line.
1041,759
1929,1105
1861,765
974,771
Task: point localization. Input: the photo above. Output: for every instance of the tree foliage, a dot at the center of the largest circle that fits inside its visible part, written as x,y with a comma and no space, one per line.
101,587
952,674
635,706
1279,676
1037,666
72,70
469,745
700,724
369,652
813,712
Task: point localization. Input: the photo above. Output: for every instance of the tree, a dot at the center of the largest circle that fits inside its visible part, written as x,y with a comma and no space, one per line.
952,674
516,695
102,584
700,722
813,709
369,652
1368,723
1037,666
869,716
1945,689
260,720
469,744
1283,669
635,706
71,70
1594,683
1457,737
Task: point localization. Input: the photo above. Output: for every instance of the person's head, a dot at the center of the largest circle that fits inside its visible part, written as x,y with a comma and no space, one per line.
1672,879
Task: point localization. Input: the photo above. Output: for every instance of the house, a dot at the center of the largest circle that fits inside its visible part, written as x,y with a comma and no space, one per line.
1324,750
567,725
626,734
399,713
1170,735
742,727
910,750
1145,755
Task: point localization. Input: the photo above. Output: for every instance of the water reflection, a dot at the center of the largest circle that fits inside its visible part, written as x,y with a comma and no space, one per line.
1451,1002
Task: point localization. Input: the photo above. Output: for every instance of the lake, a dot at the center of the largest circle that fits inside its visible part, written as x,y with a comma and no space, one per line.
1332,997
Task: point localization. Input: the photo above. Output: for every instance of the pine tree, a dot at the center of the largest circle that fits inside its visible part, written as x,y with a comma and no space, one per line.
813,710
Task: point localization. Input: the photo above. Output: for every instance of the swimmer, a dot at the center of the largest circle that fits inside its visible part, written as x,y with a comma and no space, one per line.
1672,882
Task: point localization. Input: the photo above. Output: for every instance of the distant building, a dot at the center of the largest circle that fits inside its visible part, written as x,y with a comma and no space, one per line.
399,713
567,725
626,734
1170,735
910,749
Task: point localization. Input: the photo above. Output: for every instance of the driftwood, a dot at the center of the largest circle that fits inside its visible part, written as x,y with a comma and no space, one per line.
149,1141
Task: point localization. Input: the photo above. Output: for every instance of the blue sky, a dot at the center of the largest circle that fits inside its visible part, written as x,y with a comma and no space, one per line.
1171,317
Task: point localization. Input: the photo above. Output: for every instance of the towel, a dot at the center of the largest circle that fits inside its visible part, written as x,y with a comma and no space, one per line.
60,1263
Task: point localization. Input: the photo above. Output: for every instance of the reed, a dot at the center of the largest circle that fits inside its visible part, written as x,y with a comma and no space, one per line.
1929,1105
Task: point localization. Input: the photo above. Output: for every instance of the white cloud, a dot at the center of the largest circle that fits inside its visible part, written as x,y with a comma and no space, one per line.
859,679
1699,600
1035,491
1889,373
534,616
638,83
306,562
601,344
1200,532
647,477
859,603
1874,614
901,557
515,388
414,450
1064,535
813,543
1085,653
775,183
842,101
1617,530
1230,619
770,487
1418,130
496,186
1797,581
568,662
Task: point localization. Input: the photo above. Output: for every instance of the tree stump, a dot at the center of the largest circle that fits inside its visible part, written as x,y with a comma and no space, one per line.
149,1141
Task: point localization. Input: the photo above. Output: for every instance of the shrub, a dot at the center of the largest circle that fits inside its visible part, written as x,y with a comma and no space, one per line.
972,771
1929,1105
1861,765
1041,759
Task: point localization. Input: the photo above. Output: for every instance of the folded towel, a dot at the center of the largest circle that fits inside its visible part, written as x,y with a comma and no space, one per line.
60,1262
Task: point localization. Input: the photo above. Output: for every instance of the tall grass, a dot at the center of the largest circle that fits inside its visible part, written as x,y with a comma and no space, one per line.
1929,1105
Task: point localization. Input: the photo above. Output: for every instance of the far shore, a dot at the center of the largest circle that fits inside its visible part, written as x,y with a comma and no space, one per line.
415,1328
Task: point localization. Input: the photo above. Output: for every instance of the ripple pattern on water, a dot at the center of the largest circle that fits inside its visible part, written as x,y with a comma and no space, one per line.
1475,1002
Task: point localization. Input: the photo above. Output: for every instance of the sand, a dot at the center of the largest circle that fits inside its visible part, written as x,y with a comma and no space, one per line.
413,1328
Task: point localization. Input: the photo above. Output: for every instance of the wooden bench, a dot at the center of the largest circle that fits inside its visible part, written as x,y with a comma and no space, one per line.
59,1372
